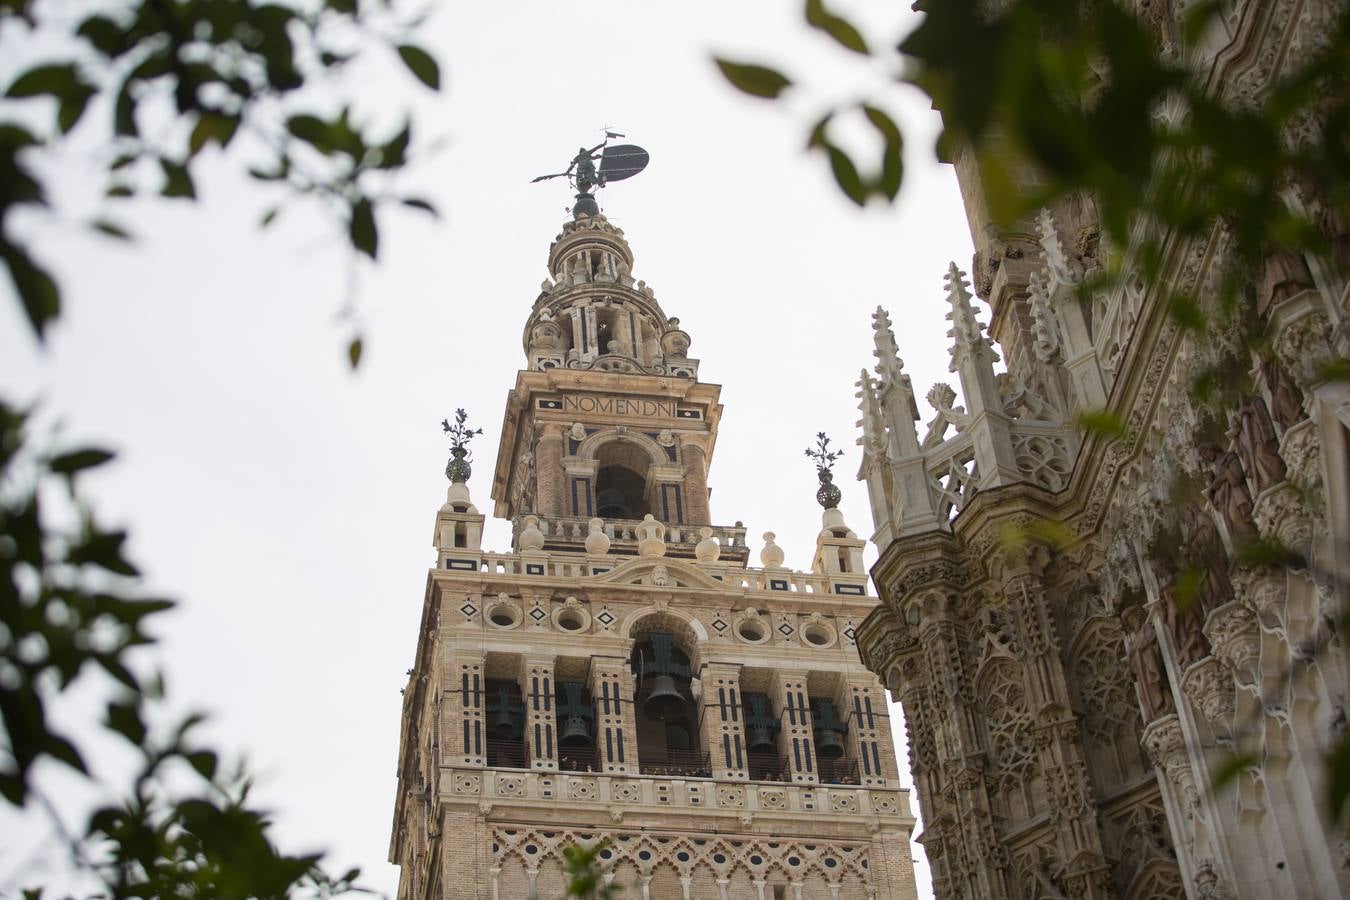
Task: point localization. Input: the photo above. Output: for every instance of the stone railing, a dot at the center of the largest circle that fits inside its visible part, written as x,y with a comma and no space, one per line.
566,565
615,793
623,532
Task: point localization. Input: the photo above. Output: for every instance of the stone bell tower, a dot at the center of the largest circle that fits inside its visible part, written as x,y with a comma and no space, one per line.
621,674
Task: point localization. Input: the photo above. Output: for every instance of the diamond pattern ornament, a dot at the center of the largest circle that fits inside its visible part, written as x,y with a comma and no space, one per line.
469,610
785,629
605,618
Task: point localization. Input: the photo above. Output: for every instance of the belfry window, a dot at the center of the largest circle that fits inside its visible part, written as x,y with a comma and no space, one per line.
621,489
667,716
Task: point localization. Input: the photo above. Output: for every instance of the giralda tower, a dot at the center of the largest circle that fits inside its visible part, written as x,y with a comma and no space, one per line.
622,673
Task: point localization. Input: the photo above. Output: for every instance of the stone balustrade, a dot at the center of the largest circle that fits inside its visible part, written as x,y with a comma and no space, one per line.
623,532
611,794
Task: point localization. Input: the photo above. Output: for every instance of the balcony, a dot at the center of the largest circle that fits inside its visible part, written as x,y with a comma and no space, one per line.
569,533
578,759
508,754
676,764
838,771
768,767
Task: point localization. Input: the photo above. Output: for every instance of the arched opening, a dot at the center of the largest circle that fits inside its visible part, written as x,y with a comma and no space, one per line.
621,489
666,714
505,725
576,728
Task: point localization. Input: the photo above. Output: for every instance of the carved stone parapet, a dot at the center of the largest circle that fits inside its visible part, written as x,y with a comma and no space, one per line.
1264,591
1208,685
1166,747
1235,638
1282,516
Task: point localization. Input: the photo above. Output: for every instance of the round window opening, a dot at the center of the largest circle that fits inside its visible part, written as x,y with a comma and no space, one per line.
569,621
818,635
502,615
751,630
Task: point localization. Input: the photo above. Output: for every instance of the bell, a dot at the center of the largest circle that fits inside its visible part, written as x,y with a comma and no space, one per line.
574,733
502,725
664,700
828,744
761,741
611,504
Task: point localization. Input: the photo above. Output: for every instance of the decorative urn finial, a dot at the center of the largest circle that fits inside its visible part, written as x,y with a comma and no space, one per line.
828,494
458,469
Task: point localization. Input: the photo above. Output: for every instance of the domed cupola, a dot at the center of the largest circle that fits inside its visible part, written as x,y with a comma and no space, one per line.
592,315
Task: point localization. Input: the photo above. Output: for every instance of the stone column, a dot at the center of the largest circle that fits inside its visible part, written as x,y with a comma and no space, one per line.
794,713
463,739
1055,730
550,486
695,483
978,866
611,687
541,730
721,725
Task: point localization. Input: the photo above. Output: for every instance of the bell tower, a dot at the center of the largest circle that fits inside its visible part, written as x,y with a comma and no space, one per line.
622,673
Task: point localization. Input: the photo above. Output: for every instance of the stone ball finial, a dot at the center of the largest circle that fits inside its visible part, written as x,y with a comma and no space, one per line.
597,542
531,538
651,537
772,555
707,549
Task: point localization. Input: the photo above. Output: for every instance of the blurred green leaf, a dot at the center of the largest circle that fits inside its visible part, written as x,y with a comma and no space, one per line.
364,234
354,352
177,180
843,31
79,460
1103,423
421,64
846,175
755,80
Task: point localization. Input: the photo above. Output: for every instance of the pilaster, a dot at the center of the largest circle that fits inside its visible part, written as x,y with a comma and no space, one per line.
541,729
463,739
794,713
611,687
722,727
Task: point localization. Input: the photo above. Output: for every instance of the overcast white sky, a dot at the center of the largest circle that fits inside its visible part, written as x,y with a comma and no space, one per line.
289,503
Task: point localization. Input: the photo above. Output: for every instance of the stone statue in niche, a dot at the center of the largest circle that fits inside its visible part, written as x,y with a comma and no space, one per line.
1286,399
1206,551
1253,437
1183,624
1283,275
1151,685
1226,488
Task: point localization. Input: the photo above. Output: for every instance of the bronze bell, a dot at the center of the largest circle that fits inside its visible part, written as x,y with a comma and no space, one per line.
574,733
761,740
828,744
502,725
611,504
664,701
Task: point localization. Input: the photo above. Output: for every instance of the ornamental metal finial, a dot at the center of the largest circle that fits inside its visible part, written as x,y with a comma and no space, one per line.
458,469
828,495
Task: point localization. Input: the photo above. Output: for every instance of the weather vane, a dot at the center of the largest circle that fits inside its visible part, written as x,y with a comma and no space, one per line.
828,495
617,162
458,468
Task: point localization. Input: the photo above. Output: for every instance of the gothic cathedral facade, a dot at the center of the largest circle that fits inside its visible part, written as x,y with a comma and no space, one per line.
621,674
1069,710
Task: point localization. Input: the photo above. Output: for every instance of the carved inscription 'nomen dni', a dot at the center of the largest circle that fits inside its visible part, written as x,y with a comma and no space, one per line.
619,406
